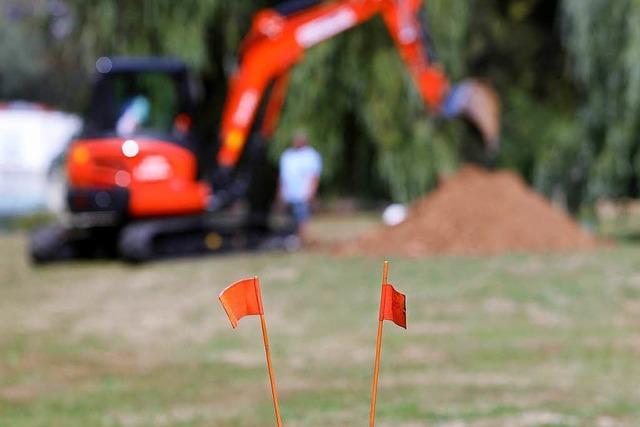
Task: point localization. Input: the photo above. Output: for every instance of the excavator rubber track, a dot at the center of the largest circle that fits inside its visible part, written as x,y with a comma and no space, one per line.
54,243
143,241
154,239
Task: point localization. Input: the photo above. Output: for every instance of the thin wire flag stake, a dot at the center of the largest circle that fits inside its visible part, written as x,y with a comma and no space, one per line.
376,366
392,307
272,377
243,298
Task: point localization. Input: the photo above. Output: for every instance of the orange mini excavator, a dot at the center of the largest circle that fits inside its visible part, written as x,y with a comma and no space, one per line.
133,175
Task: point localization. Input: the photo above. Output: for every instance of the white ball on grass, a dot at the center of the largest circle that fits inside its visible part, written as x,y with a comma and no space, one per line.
394,214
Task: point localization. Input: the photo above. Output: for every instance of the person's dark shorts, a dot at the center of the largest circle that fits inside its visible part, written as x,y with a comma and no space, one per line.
300,211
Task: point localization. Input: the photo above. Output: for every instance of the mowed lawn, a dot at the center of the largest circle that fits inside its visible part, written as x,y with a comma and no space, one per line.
519,340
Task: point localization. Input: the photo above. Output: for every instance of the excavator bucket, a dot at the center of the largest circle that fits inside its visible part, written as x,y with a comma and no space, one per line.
480,104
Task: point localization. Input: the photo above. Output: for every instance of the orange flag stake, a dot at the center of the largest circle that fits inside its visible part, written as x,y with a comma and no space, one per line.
392,307
241,299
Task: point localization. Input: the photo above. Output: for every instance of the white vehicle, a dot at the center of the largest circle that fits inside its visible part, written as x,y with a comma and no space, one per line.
31,136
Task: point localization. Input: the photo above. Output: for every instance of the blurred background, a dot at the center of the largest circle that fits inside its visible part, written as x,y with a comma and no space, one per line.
567,72
501,332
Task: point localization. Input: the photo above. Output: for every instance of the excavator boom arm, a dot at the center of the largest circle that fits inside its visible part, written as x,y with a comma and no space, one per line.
277,41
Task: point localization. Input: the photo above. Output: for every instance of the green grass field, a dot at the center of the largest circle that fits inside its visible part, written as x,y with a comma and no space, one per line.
519,340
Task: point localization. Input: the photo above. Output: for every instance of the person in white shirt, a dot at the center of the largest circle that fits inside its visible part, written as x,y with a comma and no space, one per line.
300,170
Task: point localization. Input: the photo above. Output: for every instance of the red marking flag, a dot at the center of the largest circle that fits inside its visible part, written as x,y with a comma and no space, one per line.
393,306
241,299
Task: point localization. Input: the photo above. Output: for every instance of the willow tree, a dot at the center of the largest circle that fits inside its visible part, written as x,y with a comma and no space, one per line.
59,41
603,38
23,51
352,94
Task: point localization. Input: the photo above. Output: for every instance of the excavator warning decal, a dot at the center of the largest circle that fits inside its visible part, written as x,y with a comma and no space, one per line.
323,28
246,107
153,168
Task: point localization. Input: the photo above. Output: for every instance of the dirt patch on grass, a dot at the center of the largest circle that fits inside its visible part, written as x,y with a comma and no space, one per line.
477,212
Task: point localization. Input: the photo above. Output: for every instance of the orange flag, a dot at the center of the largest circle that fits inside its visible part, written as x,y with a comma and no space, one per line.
393,306
241,299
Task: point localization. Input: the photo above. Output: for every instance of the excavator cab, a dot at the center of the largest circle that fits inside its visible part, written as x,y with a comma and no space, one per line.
135,157
141,96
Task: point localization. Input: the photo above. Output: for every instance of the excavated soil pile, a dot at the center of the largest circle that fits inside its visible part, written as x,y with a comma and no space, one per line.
477,212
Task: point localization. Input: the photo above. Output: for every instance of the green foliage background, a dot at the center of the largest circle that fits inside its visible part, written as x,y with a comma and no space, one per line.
568,72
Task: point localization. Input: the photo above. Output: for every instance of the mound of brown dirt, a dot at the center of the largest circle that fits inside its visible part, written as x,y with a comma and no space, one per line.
477,212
